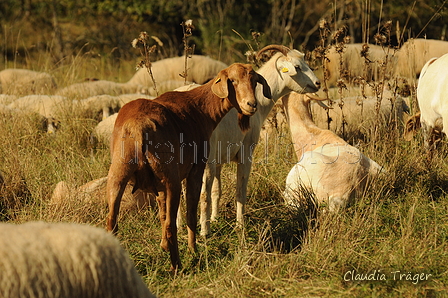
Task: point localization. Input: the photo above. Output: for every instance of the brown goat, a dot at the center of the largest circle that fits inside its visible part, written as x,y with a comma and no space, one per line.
160,142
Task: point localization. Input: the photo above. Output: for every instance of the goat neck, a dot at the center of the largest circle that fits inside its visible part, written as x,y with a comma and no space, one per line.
305,134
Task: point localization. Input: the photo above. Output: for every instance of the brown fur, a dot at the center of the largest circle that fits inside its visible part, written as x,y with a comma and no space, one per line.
158,143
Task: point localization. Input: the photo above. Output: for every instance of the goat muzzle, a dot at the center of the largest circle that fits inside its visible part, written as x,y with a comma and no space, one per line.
249,109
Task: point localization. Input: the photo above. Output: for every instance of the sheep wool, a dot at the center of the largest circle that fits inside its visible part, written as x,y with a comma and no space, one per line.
65,260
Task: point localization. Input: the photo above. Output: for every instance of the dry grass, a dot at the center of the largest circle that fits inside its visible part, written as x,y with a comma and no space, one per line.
400,224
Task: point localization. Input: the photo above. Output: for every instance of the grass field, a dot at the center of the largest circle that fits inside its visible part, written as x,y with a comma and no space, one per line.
396,235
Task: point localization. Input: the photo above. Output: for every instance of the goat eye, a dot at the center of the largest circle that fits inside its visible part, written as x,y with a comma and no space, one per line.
298,68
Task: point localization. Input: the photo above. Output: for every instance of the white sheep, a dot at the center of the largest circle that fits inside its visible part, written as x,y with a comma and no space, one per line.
354,63
360,113
92,88
414,53
46,105
101,106
200,69
65,260
285,71
168,85
125,98
103,130
432,98
6,99
51,107
95,192
327,166
25,81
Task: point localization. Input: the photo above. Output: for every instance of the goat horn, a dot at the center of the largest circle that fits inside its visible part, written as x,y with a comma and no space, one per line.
319,100
282,49
316,97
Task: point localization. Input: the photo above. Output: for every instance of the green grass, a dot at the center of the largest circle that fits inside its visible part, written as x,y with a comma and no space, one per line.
400,224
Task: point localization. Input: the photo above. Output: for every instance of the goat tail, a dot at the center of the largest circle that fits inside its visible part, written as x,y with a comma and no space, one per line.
243,122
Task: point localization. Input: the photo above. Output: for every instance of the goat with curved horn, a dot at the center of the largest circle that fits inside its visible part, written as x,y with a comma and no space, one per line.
284,72
279,48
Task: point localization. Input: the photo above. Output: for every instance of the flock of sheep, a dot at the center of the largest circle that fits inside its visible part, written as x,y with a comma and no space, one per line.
156,142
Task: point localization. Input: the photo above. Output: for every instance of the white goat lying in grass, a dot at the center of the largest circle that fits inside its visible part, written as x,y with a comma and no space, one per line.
329,167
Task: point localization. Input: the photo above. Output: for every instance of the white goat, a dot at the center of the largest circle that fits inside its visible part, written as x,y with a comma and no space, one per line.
65,260
25,81
285,71
432,97
327,165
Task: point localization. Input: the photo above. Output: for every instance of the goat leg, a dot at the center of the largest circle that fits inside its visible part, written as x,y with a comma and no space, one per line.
169,229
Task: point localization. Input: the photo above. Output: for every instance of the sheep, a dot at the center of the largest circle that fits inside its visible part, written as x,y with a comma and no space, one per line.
92,88
168,85
25,81
103,130
6,99
200,69
101,106
327,166
46,105
125,98
432,98
285,71
158,143
64,193
414,53
354,63
65,260
359,113
50,107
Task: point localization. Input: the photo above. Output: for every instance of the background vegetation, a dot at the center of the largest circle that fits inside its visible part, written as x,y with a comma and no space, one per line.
105,28
401,223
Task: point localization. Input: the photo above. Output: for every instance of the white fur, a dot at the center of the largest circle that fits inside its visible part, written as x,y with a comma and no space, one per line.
414,53
65,260
25,81
227,143
200,69
327,166
432,97
92,88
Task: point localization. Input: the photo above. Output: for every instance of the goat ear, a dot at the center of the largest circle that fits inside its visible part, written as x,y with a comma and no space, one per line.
411,127
219,86
286,67
266,89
